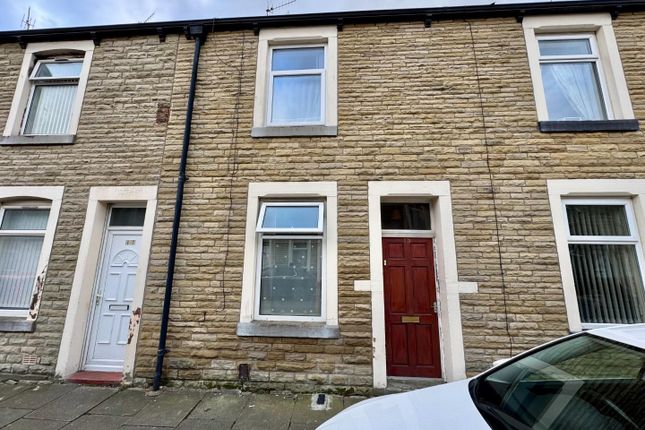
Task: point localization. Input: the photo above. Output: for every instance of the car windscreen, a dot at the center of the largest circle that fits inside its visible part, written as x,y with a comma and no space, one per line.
583,382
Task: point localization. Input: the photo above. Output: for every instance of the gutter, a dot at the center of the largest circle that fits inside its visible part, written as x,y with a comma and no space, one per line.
197,32
426,15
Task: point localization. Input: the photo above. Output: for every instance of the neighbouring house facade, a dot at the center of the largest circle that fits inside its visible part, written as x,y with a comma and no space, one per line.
369,195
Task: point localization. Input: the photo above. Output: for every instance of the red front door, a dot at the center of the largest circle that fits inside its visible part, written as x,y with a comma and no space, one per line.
411,323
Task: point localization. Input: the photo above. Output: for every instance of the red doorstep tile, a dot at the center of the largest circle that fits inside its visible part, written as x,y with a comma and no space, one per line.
96,378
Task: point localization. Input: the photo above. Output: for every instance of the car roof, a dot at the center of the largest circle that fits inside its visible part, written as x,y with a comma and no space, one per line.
633,334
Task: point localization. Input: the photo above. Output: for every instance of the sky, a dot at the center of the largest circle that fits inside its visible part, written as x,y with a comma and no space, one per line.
75,13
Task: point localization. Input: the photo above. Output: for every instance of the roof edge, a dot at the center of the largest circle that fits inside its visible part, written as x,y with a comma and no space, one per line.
427,15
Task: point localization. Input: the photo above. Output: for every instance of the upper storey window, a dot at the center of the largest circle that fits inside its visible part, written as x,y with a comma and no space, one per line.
53,86
577,74
296,85
47,103
296,82
573,87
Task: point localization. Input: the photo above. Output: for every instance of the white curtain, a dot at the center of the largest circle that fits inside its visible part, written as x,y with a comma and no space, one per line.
50,110
572,92
18,264
296,99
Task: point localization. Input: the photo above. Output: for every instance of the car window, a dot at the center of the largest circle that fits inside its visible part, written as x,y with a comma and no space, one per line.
581,382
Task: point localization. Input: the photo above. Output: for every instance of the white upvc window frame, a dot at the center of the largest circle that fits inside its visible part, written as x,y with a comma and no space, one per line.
296,72
594,57
318,229
317,233
561,191
36,233
44,51
271,39
609,66
632,239
33,197
320,194
35,81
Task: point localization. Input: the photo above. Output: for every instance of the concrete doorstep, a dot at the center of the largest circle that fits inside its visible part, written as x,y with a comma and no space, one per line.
73,407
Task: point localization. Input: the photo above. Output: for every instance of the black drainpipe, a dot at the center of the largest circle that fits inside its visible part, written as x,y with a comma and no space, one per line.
196,31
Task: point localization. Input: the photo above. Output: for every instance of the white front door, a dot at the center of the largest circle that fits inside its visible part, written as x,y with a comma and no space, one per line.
113,296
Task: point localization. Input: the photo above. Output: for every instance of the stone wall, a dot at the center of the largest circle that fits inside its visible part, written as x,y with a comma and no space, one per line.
450,102
410,108
118,143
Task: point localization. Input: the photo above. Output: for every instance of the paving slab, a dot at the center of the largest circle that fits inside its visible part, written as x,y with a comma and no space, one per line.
125,403
350,401
142,428
102,422
203,424
304,418
9,390
266,411
72,405
8,416
167,410
37,396
225,409
27,424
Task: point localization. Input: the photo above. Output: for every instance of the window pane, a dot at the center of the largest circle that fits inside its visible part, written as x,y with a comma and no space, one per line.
287,217
291,281
572,92
597,220
585,382
405,216
298,59
608,283
565,47
25,219
18,264
127,217
51,108
62,69
296,99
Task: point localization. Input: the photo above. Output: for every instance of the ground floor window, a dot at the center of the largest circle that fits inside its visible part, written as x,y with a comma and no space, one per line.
598,232
290,266
290,278
22,231
606,260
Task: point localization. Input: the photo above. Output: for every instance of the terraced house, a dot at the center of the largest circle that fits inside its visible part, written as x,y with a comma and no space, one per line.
319,202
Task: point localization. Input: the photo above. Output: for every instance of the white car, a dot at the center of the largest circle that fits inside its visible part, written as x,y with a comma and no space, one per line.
590,380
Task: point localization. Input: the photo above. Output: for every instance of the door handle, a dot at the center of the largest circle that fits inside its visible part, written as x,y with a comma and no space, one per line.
97,300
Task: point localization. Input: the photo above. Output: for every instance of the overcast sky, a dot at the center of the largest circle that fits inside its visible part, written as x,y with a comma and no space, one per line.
72,13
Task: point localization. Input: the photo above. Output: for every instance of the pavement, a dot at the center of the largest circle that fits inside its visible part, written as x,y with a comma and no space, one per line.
73,407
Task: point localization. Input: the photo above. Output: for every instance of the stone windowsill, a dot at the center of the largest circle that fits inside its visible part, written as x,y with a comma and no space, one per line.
17,325
54,139
288,329
588,126
295,131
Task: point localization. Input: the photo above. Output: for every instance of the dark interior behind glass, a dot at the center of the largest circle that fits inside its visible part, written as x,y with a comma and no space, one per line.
405,216
584,382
